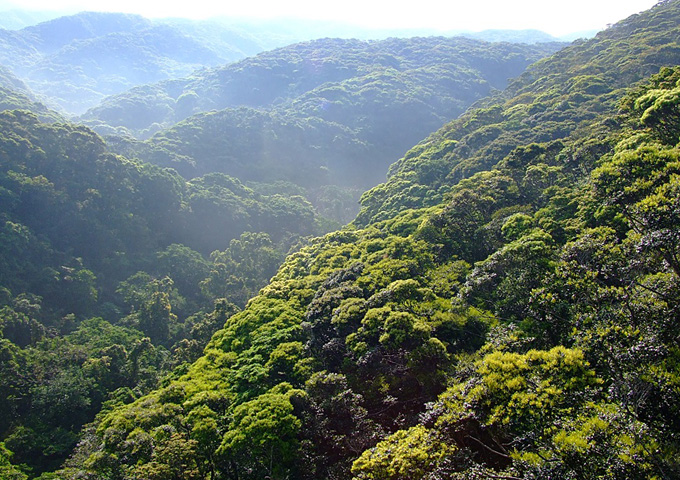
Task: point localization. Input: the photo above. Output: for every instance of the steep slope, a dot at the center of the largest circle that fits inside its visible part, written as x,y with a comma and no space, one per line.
524,325
553,99
10,81
11,99
15,95
107,268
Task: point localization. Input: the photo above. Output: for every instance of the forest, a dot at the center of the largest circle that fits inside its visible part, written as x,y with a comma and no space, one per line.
196,297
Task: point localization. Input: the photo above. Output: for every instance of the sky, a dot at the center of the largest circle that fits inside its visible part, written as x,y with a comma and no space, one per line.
551,16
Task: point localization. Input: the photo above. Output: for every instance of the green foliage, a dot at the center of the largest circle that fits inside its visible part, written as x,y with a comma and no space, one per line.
261,440
523,391
76,224
555,98
509,311
328,115
501,282
406,454
7,470
15,99
605,409
327,78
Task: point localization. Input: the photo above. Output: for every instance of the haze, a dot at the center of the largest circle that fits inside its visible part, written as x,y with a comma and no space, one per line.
556,18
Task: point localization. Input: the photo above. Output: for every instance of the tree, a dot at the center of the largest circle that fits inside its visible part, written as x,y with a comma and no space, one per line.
7,470
262,437
240,271
404,455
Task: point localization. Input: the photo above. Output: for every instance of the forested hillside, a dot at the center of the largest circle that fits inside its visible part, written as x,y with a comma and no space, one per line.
329,116
15,95
123,269
75,61
328,71
505,306
109,270
344,110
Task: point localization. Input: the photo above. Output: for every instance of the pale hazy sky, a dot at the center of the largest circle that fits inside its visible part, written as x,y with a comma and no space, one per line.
557,17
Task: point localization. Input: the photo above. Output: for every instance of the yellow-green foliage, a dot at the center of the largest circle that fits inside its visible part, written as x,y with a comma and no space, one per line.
524,327
262,433
522,390
407,454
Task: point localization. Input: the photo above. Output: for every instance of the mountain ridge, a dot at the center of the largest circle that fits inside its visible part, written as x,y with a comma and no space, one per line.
209,42
74,61
493,329
506,304
343,108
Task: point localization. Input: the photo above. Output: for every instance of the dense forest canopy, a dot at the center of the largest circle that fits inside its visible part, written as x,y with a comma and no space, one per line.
98,252
75,61
504,306
333,70
328,115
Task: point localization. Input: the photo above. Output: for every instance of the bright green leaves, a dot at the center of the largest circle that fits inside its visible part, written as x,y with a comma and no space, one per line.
172,459
393,330
262,436
507,396
598,441
662,113
642,184
261,327
659,111
516,226
254,335
287,362
634,173
407,454
205,429
522,391
7,470
399,328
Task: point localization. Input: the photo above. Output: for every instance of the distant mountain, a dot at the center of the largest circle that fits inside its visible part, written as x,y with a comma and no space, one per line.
75,61
507,305
15,95
52,35
16,19
268,34
514,36
302,77
292,30
326,112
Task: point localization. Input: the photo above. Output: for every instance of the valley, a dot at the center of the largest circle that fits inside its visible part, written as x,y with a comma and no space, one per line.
424,257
